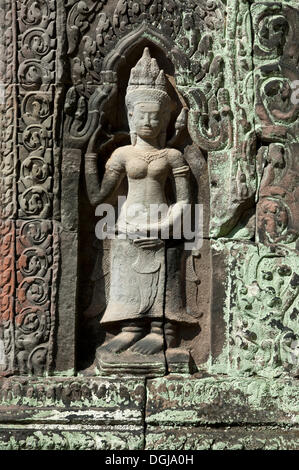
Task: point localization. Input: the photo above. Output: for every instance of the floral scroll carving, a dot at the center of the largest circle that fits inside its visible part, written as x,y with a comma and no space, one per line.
35,305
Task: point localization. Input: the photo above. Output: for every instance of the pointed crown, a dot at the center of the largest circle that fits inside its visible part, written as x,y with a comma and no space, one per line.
147,82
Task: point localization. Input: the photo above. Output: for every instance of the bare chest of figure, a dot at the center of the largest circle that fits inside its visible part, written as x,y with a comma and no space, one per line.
141,164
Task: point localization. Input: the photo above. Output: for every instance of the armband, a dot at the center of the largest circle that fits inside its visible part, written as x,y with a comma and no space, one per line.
181,171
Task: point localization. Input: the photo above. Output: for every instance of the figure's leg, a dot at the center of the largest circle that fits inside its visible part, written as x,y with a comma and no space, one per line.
130,333
171,334
178,359
153,342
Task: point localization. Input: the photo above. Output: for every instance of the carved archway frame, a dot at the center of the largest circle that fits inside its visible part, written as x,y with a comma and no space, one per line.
108,78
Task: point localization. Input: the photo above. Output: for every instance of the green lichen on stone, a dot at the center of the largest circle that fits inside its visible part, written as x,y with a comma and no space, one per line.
247,438
81,393
216,399
58,439
260,310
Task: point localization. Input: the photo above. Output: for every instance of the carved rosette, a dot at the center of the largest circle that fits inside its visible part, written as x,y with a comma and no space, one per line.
36,73
35,185
36,51
8,111
35,303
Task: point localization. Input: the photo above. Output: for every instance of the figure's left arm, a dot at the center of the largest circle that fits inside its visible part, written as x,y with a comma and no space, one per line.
180,171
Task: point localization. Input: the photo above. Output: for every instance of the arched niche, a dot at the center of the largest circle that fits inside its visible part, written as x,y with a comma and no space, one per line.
112,131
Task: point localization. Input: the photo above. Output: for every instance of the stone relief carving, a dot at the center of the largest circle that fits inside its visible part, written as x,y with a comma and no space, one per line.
277,208
219,121
261,334
194,39
264,336
7,293
8,104
35,302
231,66
137,270
8,153
276,31
36,56
209,46
35,180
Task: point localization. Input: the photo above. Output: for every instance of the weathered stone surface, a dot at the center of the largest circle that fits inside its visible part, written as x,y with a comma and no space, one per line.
198,298
277,208
92,401
222,400
247,438
276,70
7,294
71,438
37,264
259,311
71,413
65,359
231,69
8,170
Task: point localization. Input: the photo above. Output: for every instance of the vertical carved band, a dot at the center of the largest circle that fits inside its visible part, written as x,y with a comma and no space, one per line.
36,74
27,248
35,305
8,110
7,291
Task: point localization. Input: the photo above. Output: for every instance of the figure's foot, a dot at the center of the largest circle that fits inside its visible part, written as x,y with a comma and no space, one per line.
151,344
123,341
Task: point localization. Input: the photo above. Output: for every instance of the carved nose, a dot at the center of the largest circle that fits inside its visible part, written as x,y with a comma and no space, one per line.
146,120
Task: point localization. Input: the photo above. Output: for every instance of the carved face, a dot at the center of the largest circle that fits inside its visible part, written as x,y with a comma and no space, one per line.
148,120
272,218
32,75
37,44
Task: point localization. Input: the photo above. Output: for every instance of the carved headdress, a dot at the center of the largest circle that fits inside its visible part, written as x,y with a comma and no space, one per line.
147,83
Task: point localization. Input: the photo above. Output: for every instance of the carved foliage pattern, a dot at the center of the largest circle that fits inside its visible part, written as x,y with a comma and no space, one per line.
35,305
36,55
191,31
36,44
276,60
277,208
7,112
7,292
264,311
8,152
277,114
36,155
180,21
7,43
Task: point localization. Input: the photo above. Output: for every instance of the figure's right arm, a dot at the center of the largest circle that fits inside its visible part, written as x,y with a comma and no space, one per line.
114,173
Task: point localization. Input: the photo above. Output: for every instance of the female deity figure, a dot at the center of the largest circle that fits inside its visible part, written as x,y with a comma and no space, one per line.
138,258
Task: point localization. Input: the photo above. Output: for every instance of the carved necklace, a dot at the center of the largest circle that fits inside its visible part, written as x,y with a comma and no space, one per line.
149,157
